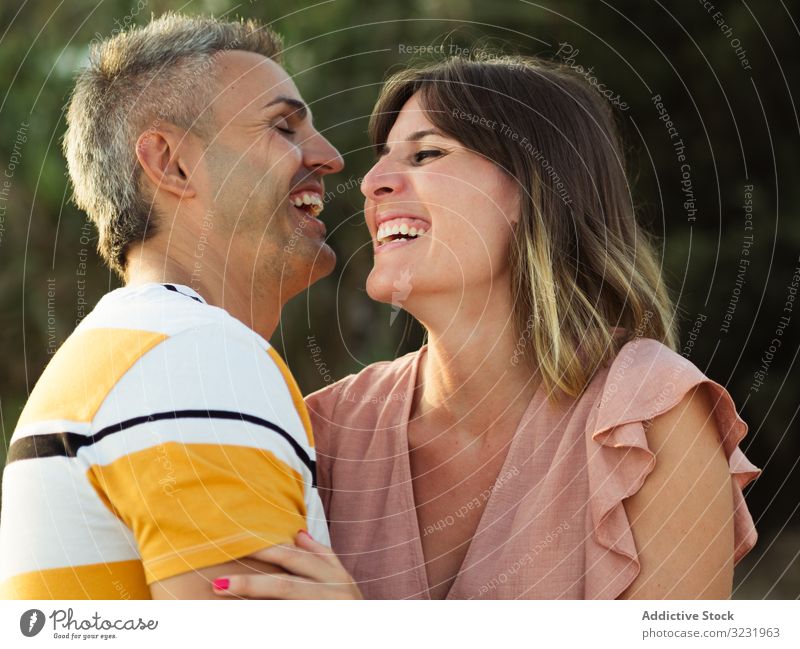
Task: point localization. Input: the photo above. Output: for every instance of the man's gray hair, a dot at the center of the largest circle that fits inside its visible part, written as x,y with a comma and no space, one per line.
134,81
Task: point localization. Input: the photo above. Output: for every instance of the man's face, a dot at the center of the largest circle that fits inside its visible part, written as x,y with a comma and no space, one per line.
265,163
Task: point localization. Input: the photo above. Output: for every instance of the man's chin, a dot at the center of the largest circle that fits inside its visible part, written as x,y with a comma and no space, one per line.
324,264
319,264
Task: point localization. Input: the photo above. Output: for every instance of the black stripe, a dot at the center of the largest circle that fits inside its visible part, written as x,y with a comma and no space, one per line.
68,444
174,289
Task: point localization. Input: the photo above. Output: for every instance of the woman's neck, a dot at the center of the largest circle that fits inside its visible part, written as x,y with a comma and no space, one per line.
474,368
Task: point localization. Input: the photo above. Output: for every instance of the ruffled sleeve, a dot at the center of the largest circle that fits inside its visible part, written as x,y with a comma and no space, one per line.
645,380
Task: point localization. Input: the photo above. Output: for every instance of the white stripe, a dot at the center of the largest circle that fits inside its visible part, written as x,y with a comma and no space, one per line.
315,518
53,518
50,426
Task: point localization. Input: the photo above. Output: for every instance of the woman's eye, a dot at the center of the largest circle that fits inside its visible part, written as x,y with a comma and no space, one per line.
419,156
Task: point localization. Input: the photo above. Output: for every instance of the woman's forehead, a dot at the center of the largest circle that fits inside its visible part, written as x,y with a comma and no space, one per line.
412,117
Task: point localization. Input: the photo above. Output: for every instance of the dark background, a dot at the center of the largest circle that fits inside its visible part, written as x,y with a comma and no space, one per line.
740,127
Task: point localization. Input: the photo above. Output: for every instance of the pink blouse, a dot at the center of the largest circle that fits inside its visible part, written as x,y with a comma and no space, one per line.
553,526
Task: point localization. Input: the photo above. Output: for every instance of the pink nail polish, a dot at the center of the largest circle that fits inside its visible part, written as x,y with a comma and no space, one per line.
222,584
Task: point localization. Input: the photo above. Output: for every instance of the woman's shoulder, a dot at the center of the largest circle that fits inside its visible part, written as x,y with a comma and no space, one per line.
362,393
644,379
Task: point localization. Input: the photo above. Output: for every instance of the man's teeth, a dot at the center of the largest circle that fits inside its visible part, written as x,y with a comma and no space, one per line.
312,200
387,231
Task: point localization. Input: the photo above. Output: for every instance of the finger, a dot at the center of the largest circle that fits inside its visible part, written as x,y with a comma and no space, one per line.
267,552
268,586
297,561
305,541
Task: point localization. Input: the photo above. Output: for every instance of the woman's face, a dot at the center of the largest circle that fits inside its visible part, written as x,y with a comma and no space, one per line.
460,206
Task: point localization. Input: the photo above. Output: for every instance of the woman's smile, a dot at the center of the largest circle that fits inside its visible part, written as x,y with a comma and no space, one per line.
397,229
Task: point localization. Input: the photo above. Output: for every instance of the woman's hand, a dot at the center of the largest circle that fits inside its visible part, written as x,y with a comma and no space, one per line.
312,571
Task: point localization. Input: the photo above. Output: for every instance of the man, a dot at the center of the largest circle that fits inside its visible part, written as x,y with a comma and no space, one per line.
166,440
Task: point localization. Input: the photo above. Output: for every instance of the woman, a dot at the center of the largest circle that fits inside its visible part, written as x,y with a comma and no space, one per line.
547,441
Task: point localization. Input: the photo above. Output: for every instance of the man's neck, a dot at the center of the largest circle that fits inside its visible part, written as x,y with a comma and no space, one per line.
239,293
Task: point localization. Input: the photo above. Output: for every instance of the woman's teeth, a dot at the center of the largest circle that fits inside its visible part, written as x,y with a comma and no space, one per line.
389,232
310,203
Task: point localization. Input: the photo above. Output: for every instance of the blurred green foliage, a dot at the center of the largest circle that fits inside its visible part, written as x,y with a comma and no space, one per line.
740,127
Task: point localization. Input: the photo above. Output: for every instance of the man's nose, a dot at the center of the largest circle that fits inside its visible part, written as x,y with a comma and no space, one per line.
321,156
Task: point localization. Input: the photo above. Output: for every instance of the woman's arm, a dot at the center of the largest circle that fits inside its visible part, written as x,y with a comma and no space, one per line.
682,517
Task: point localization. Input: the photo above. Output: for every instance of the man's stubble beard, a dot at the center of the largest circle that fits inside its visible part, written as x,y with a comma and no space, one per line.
283,259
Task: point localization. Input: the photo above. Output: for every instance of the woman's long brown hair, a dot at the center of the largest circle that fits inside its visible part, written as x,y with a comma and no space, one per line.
580,263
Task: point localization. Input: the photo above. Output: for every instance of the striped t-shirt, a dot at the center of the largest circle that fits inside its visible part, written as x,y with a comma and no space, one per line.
164,436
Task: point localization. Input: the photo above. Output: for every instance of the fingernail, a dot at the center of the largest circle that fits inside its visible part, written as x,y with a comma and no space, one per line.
222,584
307,534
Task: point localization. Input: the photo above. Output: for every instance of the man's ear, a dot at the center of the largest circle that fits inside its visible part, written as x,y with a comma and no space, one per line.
159,153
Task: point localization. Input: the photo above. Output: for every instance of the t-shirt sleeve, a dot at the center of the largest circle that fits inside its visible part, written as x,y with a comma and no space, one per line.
202,453
646,380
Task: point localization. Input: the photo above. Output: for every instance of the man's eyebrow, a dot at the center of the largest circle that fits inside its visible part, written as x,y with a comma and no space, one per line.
300,109
383,149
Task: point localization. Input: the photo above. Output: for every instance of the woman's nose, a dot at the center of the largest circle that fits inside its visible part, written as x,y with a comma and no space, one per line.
380,181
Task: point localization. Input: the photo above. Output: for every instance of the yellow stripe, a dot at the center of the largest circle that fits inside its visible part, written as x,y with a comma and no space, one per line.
83,371
198,505
297,397
118,580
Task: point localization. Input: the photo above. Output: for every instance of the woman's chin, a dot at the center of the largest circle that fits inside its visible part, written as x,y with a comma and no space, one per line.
380,287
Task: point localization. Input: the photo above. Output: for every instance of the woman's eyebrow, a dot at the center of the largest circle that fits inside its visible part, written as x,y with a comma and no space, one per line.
413,137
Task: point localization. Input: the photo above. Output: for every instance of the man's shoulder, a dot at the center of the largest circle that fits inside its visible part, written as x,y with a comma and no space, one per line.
187,330
142,345
204,359
168,309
